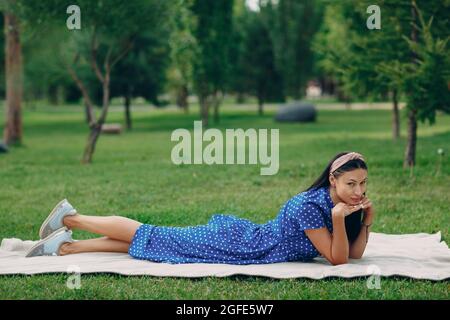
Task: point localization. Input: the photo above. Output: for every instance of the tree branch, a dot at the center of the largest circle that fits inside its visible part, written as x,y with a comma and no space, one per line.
94,65
83,90
123,53
106,64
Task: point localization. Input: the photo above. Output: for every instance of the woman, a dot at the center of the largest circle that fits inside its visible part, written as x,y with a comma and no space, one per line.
323,220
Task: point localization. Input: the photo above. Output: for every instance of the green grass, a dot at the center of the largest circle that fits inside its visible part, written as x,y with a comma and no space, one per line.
132,175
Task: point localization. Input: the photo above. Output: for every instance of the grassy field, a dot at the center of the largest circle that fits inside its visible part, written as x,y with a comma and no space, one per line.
132,175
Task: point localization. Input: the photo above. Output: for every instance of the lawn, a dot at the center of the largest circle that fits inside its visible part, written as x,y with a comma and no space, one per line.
132,175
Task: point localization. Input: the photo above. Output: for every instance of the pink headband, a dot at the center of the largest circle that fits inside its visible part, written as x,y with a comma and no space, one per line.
344,159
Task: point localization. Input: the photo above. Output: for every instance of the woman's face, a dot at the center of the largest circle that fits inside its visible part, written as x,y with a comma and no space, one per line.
350,186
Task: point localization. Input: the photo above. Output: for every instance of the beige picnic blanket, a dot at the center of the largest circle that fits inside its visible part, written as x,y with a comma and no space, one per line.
418,256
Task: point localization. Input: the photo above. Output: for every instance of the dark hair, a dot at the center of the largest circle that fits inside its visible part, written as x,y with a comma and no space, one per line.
352,221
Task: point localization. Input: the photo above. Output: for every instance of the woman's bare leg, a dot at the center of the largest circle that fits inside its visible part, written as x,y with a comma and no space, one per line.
114,227
103,244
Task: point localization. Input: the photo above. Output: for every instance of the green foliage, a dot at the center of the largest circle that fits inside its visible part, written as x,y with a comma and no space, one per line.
183,46
142,73
255,71
42,74
424,73
114,18
428,77
292,25
334,59
370,62
144,25
212,30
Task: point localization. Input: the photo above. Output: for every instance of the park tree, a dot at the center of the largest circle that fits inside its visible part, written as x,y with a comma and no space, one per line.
44,79
33,77
183,46
357,52
2,57
12,133
237,80
292,25
112,34
213,25
406,57
106,35
334,61
255,71
426,77
142,73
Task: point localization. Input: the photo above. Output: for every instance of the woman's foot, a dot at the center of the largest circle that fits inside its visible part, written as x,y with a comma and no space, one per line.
55,220
51,245
64,249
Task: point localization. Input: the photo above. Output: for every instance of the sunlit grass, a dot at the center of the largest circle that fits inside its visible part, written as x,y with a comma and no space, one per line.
132,175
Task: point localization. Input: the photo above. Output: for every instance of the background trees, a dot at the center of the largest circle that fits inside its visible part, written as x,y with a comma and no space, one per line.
142,72
183,48
212,30
255,72
408,56
106,37
211,49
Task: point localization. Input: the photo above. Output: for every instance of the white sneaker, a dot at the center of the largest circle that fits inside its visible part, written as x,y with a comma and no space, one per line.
50,245
55,220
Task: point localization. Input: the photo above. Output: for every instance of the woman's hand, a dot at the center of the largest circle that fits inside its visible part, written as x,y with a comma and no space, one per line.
369,212
342,210
364,204
367,206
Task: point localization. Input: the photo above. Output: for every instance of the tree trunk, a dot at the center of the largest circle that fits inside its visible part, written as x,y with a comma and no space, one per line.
88,105
260,105
90,144
216,113
216,108
204,109
240,98
204,101
327,85
13,74
87,114
182,98
96,128
410,154
127,108
217,101
53,95
396,117
105,104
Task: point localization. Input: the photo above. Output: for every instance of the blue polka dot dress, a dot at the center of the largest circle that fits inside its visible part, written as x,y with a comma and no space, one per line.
232,240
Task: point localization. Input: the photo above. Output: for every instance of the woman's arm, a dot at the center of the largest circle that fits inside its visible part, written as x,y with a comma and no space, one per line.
359,245
339,244
334,247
